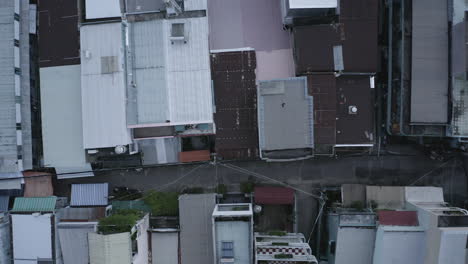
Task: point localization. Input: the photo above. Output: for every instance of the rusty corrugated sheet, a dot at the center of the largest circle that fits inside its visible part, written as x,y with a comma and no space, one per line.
235,92
196,155
355,128
59,42
38,184
398,218
323,89
274,195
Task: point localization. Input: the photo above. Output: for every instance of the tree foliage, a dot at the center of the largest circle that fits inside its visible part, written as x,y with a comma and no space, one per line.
162,203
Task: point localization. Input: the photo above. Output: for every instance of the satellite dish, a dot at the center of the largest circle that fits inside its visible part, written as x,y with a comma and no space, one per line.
120,149
257,209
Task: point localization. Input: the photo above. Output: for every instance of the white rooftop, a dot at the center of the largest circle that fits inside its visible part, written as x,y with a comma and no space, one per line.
298,4
229,210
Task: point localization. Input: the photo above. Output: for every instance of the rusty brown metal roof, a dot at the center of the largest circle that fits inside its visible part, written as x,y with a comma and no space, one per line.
273,195
59,41
233,75
38,184
355,128
398,218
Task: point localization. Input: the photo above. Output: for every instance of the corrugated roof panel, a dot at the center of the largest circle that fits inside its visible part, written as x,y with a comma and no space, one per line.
74,242
62,130
36,204
196,240
188,76
8,149
151,100
173,82
110,249
103,86
273,195
285,114
429,67
4,201
95,194
398,218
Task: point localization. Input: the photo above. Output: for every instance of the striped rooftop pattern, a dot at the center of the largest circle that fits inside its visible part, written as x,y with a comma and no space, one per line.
95,194
34,204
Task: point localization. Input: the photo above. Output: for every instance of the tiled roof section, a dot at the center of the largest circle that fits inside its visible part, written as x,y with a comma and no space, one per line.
233,76
37,204
95,194
4,201
273,195
323,89
398,218
38,184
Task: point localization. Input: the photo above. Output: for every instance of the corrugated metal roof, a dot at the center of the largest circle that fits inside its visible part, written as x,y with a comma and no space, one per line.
285,114
110,249
37,204
95,194
38,184
137,205
398,218
273,195
196,240
173,82
59,41
429,62
194,155
82,214
74,242
8,149
62,129
103,94
4,201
